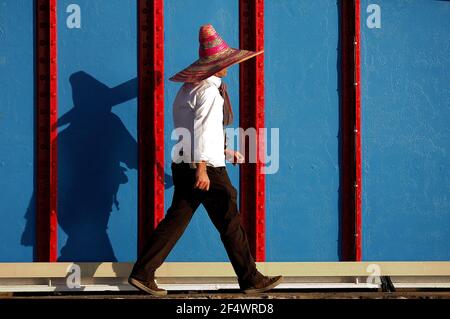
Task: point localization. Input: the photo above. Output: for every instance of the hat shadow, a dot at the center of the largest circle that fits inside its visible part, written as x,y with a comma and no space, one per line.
95,152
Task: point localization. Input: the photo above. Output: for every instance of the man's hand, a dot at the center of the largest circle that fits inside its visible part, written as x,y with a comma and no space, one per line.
201,177
234,157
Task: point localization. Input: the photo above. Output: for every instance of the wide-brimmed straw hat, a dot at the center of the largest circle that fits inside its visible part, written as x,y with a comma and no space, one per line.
214,56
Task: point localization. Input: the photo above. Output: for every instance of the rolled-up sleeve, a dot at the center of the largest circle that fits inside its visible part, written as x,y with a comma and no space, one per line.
208,128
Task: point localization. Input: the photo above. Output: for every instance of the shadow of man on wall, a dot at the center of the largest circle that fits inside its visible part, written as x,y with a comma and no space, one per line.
95,151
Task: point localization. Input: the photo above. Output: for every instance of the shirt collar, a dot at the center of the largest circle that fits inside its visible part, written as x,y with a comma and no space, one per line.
215,80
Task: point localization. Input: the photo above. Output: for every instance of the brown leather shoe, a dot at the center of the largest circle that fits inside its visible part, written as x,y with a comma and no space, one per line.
263,284
148,286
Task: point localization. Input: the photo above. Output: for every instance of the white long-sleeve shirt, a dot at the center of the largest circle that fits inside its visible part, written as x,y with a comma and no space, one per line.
198,107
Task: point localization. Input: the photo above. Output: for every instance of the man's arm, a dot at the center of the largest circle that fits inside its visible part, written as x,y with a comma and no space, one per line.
205,125
201,177
203,132
234,157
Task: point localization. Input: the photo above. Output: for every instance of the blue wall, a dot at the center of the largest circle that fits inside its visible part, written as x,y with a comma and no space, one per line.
301,65
97,148
201,241
406,132
17,207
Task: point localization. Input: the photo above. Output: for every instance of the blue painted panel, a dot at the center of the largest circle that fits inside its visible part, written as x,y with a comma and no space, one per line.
201,241
97,148
301,65
406,132
17,208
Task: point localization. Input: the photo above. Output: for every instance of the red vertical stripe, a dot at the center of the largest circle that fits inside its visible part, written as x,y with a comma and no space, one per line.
53,131
350,223
251,115
151,117
347,132
358,190
46,103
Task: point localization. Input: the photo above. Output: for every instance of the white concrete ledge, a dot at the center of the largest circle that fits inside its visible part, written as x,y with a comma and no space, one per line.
222,269
50,277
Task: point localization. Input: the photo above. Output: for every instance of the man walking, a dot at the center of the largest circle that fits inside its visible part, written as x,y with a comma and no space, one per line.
199,173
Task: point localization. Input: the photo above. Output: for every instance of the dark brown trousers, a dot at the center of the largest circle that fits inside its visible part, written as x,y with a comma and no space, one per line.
220,202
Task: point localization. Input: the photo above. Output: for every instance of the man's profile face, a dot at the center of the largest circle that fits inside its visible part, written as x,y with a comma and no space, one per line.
222,73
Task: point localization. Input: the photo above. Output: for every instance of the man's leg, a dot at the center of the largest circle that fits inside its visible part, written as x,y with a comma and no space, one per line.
221,204
184,203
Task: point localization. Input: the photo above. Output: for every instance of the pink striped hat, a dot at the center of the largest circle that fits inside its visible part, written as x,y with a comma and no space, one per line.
215,55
